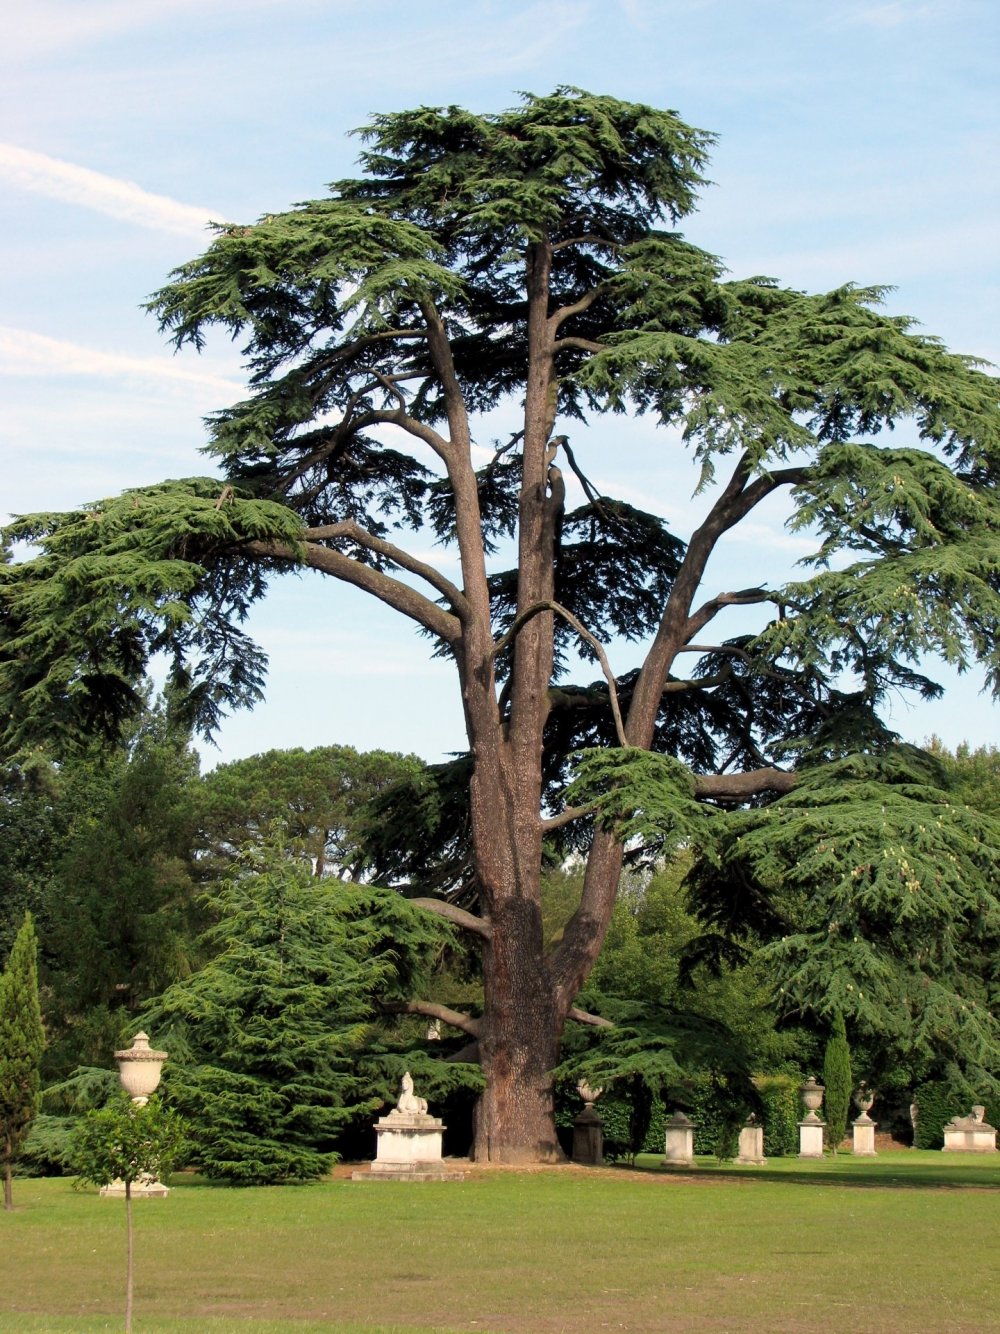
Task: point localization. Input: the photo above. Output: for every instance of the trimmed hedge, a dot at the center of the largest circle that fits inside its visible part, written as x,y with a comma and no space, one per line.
717,1113
938,1101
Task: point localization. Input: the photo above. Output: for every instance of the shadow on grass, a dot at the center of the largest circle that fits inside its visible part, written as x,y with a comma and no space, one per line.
904,1170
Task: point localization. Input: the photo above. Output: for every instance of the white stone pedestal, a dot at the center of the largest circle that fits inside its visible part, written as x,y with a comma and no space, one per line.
751,1152
811,1138
970,1134
679,1142
408,1144
148,1188
864,1136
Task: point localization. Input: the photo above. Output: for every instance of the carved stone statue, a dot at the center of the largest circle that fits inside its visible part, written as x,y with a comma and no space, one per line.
408,1100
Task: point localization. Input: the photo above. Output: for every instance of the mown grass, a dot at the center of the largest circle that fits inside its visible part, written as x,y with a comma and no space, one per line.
904,1242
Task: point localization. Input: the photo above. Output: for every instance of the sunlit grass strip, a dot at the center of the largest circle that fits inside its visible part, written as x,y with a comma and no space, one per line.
561,1249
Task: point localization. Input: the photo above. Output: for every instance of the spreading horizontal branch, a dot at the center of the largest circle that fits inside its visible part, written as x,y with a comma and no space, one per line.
585,1017
567,816
401,597
738,787
432,1010
481,926
747,597
351,529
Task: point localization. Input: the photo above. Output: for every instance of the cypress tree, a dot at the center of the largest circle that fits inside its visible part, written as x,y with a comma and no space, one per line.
22,1040
837,1078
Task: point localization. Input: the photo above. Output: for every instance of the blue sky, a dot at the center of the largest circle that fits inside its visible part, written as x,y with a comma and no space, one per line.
857,141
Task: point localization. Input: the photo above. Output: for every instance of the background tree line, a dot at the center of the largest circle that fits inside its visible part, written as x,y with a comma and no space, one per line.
235,914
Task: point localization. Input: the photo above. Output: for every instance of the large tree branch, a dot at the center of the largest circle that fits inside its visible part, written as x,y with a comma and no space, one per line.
589,238
738,787
420,430
351,529
567,816
741,494
444,364
401,597
715,787
581,344
747,597
435,1011
481,926
549,605
585,1017
560,316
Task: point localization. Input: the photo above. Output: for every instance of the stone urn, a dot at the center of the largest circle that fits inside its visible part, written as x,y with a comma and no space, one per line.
139,1069
863,1100
588,1094
812,1097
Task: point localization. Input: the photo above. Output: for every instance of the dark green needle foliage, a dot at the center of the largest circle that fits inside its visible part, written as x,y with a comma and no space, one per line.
22,1040
878,895
265,1040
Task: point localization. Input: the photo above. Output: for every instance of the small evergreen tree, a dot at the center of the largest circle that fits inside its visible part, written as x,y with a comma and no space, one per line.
837,1078
22,1040
265,1040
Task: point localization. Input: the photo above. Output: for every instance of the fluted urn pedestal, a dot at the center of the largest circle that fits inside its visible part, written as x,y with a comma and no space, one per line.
139,1069
862,1125
811,1127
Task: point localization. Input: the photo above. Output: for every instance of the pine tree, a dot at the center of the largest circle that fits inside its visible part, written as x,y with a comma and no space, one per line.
22,1040
837,1079
265,1039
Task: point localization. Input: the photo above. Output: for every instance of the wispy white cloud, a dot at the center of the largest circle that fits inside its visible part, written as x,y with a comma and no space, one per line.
776,537
25,169
25,353
892,14
51,25
344,653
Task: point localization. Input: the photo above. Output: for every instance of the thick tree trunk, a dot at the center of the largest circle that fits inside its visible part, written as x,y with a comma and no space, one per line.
8,1184
518,1045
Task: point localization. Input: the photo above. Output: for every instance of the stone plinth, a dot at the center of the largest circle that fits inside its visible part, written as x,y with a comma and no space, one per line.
678,1148
811,1138
751,1153
146,1188
970,1134
864,1136
588,1138
408,1144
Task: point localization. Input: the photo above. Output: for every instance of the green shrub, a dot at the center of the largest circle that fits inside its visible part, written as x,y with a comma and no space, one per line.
782,1113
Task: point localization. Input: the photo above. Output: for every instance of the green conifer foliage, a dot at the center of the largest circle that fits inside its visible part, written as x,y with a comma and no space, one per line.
837,1078
265,1040
22,1040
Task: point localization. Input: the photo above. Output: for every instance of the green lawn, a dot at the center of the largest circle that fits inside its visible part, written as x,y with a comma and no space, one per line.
906,1242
